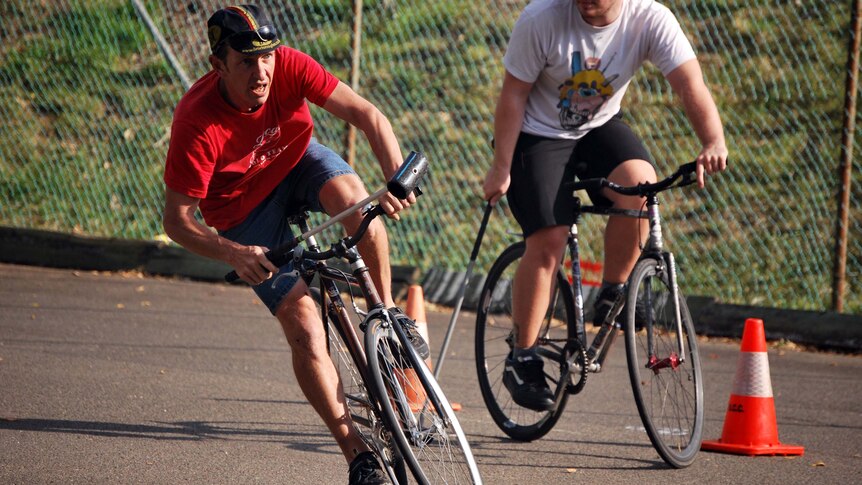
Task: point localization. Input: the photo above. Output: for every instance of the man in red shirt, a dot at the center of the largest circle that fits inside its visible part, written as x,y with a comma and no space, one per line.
242,151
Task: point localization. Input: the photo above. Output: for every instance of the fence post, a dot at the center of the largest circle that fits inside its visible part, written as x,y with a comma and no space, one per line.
354,76
162,43
838,282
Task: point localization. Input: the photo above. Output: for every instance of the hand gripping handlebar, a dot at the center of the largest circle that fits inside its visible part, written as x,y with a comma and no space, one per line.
405,181
687,172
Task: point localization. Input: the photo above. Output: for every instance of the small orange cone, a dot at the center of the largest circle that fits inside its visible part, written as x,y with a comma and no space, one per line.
750,426
416,311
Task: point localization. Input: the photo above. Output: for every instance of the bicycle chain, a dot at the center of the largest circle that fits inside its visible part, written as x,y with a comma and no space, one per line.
580,359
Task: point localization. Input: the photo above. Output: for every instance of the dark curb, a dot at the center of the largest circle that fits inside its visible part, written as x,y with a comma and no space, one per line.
826,330
823,330
57,250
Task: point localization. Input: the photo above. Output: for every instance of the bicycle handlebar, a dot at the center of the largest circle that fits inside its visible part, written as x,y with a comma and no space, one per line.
405,181
686,171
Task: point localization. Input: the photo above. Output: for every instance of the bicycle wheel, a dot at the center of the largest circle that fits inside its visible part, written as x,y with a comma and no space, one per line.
666,378
366,420
495,340
417,413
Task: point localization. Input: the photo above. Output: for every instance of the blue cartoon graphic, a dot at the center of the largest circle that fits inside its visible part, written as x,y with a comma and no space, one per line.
584,93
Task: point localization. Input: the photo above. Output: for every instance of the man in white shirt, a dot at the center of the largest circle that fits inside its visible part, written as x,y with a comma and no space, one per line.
568,65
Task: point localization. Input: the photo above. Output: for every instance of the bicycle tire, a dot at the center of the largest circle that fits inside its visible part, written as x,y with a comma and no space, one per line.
365,417
668,394
495,340
427,431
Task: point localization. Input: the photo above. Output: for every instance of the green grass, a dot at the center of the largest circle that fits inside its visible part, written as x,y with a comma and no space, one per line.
87,101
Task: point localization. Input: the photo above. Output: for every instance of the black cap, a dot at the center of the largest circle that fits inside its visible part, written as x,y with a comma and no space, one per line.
246,28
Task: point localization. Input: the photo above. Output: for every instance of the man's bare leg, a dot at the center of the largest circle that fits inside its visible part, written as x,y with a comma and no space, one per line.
534,279
623,235
338,194
314,369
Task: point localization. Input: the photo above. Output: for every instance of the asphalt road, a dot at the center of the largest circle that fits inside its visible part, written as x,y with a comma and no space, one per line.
118,378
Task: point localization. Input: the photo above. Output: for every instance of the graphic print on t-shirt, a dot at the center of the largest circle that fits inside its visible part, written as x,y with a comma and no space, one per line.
585,92
265,149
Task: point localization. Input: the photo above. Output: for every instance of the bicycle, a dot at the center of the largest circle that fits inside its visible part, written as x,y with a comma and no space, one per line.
663,360
396,404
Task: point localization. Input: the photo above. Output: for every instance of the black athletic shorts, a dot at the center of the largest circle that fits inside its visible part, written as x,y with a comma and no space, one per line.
541,167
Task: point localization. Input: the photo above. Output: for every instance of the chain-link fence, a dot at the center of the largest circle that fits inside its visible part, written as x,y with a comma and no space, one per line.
87,94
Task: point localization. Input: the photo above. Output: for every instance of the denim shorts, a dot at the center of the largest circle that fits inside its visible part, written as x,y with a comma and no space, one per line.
267,224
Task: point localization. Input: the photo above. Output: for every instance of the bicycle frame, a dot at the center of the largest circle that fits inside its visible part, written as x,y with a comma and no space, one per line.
359,278
654,247
416,425
328,279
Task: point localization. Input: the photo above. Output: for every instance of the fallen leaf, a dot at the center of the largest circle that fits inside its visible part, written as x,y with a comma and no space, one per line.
120,305
571,470
818,463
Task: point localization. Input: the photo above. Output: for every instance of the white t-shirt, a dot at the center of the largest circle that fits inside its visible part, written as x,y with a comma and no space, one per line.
580,72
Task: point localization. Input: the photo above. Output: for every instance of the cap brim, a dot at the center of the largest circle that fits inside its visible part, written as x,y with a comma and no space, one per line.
255,46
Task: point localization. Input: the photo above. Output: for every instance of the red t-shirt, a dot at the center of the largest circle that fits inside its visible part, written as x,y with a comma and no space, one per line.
232,160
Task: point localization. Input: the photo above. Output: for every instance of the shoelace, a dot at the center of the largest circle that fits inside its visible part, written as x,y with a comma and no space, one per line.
362,471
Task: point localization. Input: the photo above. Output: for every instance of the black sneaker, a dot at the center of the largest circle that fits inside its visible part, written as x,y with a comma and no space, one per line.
412,331
525,380
366,470
605,301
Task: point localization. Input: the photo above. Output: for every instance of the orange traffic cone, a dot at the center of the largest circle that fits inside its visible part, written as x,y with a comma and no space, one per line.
416,311
750,426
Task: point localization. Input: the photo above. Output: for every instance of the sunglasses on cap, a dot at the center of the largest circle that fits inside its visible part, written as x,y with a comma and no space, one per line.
263,39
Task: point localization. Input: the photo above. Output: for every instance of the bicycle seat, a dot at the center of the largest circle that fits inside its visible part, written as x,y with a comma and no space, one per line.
298,215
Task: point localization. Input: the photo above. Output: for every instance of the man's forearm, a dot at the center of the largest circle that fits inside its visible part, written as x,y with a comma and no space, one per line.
508,118
703,115
687,83
383,142
199,239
